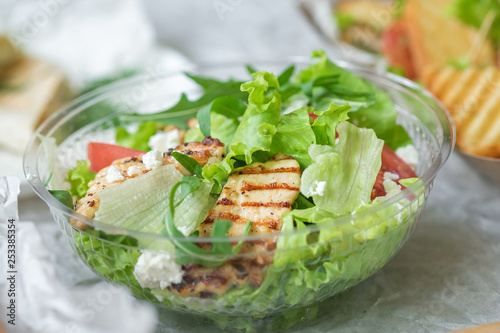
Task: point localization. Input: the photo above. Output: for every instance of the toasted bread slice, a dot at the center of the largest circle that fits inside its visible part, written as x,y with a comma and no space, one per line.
377,14
436,37
9,54
30,91
473,98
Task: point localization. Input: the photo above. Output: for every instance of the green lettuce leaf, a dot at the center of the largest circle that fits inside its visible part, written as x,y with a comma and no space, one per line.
113,256
79,178
256,129
324,126
137,140
222,128
371,107
259,122
293,136
139,203
341,178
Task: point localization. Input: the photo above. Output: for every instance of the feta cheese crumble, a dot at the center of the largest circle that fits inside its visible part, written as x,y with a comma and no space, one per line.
409,154
390,186
163,141
320,188
153,159
113,174
133,170
157,269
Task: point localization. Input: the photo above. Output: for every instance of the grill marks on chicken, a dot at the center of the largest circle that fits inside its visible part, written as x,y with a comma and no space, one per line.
260,193
208,151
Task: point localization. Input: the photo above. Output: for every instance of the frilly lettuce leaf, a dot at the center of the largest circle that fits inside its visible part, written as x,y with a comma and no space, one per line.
259,122
256,129
79,178
293,136
324,126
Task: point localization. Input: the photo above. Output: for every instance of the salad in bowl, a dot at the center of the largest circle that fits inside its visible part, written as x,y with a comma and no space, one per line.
245,196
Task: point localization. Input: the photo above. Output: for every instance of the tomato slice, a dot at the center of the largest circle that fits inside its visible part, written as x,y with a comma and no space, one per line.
102,155
313,116
396,48
391,163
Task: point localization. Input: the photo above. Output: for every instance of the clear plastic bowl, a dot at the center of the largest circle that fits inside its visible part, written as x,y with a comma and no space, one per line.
352,251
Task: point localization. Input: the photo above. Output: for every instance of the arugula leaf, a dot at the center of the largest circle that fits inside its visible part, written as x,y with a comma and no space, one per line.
227,106
302,203
250,69
190,252
185,109
64,197
286,75
189,163
138,140
371,107
188,185
79,178
203,116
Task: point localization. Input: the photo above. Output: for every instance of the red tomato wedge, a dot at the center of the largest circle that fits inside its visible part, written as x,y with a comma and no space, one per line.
312,116
391,163
102,155
395,47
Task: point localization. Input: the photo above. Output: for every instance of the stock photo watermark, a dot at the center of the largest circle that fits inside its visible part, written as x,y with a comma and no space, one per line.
11,271
89,309
223,7
37,21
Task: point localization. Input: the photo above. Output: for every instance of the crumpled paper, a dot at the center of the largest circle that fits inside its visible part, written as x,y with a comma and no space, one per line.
45,304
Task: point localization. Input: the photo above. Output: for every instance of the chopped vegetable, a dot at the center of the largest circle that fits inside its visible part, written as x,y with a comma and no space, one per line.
102,155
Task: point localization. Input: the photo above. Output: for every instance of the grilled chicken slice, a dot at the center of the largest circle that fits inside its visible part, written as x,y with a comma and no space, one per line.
205,152
261,193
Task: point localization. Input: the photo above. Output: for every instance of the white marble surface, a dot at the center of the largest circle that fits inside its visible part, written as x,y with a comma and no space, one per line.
446,277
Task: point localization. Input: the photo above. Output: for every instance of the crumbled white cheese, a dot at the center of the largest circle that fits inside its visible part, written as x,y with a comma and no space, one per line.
153,159
157,269
320,188
163,141
133,170
409,154
390,185
113,174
